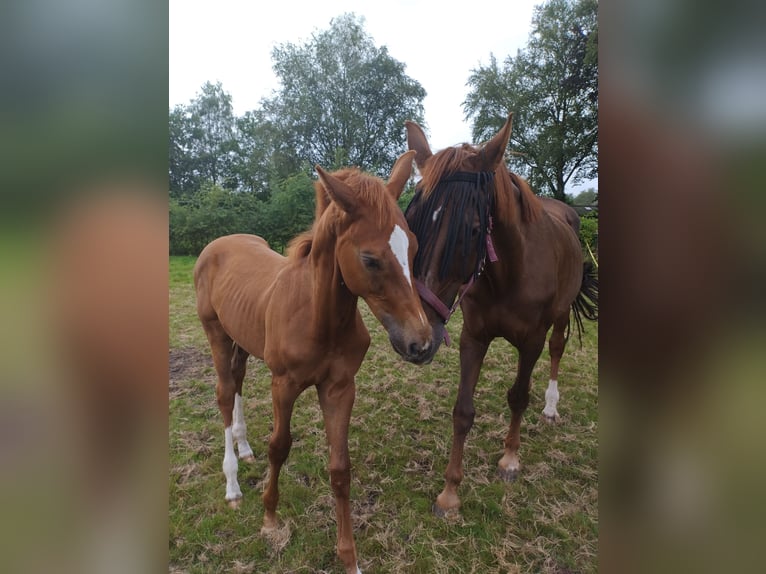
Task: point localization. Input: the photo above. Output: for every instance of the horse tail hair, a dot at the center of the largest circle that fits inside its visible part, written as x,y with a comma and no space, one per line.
585,305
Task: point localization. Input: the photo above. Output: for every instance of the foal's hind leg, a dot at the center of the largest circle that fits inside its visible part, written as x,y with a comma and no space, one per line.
518,400
556,348
239,428
222,348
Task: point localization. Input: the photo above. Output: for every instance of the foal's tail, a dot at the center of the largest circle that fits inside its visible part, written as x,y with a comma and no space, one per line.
585,304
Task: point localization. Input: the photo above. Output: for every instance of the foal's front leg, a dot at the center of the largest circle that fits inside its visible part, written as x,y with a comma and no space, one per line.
283,395
337,400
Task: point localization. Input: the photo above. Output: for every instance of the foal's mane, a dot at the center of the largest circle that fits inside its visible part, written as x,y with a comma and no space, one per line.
508,186
372,195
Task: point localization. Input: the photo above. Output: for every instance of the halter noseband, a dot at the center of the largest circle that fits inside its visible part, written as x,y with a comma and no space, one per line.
479,179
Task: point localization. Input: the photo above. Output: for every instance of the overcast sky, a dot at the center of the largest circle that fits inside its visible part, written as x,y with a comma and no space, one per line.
230,41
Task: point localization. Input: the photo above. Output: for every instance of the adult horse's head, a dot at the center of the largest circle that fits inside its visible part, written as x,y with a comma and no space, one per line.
451,216
375,249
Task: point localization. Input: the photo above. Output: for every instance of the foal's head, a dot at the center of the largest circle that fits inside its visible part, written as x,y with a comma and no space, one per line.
450,215
375,248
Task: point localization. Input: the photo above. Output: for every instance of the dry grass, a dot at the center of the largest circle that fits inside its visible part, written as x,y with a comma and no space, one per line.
546,521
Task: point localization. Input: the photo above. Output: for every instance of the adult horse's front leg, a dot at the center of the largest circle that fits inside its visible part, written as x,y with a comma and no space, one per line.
472,354
283,395
518,400
337,400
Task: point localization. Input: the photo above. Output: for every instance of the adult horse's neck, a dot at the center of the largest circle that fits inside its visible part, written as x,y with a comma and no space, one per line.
509,232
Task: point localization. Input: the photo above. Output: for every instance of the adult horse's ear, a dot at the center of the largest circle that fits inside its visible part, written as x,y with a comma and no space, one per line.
416,140
338,191
400,173
494,150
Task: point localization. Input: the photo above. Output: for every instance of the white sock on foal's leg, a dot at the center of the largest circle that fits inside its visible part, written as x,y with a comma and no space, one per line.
239,429
230,467
551,400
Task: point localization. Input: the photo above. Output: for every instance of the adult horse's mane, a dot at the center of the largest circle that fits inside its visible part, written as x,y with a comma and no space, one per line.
370,189
507,185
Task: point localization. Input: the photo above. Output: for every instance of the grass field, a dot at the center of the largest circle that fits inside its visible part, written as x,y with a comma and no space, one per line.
546,521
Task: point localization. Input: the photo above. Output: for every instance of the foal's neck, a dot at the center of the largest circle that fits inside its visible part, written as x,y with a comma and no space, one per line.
334,306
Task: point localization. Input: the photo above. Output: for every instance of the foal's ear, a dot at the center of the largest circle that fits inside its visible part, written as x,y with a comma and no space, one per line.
416,140
400,173
493,151
338,191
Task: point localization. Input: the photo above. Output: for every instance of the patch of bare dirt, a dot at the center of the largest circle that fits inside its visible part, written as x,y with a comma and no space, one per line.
184,364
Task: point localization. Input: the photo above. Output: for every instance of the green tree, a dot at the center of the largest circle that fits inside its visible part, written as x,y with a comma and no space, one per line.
290,210
552,88
214,137
203,141
342,101
184,177
585,197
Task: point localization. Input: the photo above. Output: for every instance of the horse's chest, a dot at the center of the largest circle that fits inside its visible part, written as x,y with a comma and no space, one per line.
312,360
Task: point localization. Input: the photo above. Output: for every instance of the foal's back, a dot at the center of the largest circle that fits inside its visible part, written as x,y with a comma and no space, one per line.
235,277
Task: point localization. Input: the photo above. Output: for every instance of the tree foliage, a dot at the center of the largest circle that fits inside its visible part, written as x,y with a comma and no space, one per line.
552,88
585,197
203,141
212,211
343,100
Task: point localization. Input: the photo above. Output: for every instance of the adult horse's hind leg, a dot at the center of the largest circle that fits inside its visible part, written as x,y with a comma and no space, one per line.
518,400
239,428
283,395
472,353
222,348
556,348
337,400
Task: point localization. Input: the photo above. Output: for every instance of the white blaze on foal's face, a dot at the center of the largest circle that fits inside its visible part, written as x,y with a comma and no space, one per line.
400,244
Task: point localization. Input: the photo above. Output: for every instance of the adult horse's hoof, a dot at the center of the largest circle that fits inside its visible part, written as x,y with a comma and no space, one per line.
234,503
277,535
248,458
508,474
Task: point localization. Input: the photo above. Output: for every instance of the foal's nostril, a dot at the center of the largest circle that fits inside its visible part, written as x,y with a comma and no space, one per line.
416,349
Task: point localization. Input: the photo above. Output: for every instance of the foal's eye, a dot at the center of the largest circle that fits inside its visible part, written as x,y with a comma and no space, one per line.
371,263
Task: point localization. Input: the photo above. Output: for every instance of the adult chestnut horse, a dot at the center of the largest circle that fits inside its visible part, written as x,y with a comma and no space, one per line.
514,264
299,314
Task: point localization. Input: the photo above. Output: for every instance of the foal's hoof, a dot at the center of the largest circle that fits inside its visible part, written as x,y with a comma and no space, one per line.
234,503
508,474
447,514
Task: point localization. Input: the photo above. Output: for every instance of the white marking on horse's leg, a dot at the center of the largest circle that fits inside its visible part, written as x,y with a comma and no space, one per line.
551,400
239,429
400,246
230,467
357,569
